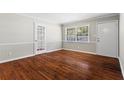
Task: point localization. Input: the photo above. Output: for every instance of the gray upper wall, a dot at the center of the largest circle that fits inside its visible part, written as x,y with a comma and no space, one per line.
15,29
91,46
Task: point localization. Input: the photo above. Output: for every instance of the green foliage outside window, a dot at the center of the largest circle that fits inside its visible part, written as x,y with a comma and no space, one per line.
71,31
82,31
77,34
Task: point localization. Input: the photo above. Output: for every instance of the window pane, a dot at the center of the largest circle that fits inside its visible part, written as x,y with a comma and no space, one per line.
82,33
82,38
71,31
77,34
71,34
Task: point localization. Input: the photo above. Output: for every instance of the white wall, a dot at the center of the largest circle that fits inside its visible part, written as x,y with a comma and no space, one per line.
15,29
121,41
16,36
53,37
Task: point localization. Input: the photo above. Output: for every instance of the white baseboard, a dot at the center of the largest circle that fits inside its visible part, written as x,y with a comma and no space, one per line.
79,51
120,60
121,65
4,61
53,50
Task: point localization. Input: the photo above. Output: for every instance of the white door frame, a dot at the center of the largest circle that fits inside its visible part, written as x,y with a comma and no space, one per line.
117,46
35,38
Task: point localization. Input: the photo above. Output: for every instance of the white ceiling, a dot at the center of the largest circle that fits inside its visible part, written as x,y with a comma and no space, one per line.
61,18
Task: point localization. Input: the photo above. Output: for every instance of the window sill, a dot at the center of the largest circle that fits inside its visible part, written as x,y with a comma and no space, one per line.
80,42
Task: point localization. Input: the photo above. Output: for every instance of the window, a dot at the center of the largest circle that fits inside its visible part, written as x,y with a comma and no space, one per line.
77,34
71,34
82,33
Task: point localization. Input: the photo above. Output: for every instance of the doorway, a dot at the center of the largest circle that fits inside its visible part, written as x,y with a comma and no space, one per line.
107,38
40,38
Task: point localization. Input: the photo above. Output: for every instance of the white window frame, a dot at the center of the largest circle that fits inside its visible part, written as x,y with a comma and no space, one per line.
76,27
65,34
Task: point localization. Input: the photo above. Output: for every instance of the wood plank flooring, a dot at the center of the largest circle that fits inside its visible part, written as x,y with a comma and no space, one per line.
62,65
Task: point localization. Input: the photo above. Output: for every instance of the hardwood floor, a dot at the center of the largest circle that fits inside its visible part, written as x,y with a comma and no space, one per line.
62,65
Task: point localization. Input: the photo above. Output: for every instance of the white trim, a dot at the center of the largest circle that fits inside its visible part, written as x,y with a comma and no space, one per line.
94,42
94,53
121,65
2,44
13,59
116,33
79,51
36,40
76,29
40,53
53,50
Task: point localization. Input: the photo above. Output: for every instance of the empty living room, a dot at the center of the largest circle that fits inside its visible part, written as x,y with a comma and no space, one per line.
61,46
